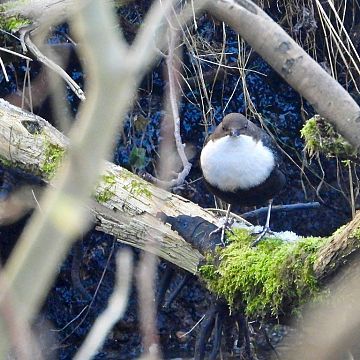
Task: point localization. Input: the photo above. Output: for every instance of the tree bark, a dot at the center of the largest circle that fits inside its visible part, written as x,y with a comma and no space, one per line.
130,213
41,11
341,249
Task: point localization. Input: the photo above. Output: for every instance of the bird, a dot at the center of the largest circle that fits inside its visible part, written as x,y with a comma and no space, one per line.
241,164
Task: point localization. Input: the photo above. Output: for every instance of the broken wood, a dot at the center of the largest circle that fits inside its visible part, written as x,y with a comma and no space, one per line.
128,205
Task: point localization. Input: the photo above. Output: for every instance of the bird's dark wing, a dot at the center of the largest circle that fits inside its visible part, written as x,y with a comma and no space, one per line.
270,143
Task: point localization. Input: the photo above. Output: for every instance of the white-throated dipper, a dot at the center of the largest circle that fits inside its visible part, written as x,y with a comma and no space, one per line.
242,165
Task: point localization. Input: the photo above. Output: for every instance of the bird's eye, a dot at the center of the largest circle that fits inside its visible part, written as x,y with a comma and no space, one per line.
224,128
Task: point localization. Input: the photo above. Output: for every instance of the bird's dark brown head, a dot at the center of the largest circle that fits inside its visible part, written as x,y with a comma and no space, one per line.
233,124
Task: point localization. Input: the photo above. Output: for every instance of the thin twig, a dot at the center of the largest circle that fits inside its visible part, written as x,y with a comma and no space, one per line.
192,329
72,320
351,190
29,88
15,53
115,309
170,62
284,208
36,200
4,70
224,211
88,307
145,277
49,63
172,70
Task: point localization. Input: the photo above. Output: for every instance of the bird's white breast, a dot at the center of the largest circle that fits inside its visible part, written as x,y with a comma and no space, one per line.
230,163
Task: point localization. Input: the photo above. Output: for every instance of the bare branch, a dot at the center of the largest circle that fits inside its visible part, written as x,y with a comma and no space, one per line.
168,166
49,63
115,309
15,53
175,110
24,344
145,281
329,328
304,74
283,208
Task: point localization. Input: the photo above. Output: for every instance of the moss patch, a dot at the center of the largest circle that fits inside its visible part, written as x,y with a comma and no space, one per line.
53,157
273,278
6,163
108,183
321,136
14,23
138,188
356,233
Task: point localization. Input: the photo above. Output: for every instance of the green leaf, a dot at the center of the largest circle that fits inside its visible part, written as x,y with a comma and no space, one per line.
138,157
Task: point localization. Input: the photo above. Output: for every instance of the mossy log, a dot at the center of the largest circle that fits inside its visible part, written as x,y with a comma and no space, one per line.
128,207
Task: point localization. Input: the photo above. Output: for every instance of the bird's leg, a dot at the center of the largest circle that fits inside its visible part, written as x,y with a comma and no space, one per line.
223,227
266,228
267,224
227,214
226,224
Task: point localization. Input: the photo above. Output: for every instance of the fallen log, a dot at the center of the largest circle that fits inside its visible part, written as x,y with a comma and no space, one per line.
127,205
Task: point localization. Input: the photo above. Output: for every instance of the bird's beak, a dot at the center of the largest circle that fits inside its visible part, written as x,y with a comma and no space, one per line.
235,132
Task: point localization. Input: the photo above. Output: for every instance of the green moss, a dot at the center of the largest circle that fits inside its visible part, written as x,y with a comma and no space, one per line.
356,234
12,23
15,23
53,157
108,183
320,136
138,158
271,278
9,22
5,162
138,188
